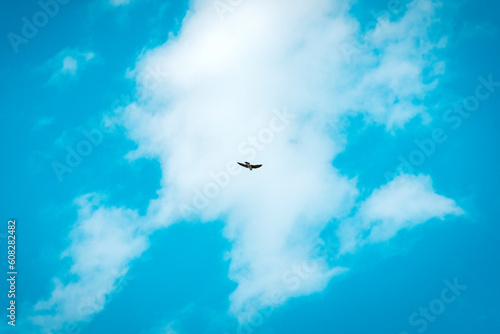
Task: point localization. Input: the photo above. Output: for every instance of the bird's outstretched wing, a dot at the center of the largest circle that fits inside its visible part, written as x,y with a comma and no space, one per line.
239,163
256,166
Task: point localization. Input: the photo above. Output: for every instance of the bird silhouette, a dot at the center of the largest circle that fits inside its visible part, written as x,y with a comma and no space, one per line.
249,165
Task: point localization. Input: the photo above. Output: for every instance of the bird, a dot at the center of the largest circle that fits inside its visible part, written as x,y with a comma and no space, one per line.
249,165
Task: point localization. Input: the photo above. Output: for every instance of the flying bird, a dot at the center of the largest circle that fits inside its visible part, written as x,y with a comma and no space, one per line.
249,165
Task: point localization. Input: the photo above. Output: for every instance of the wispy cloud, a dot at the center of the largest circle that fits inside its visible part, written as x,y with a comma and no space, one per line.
402,203
165,329
67,64
478,29
119,2
42,122
104,241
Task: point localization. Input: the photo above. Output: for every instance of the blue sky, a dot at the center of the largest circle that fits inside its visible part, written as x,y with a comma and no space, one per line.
378,192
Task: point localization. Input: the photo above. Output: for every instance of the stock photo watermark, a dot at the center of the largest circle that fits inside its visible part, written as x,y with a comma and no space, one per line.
76,154
372,28
454,117
95,303
31,26
11,271
292,279
225,7
153,76
421,319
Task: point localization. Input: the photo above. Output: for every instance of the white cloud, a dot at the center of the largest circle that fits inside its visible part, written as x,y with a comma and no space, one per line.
70,65
67,64
119,2
103,243
404,202
43,122
218,105
167,329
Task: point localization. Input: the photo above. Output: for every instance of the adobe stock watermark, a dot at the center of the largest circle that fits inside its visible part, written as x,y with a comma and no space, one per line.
76,154
30,26
154,76
225,7
291,279
454,117
95,303
420,319
248,149
381,19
